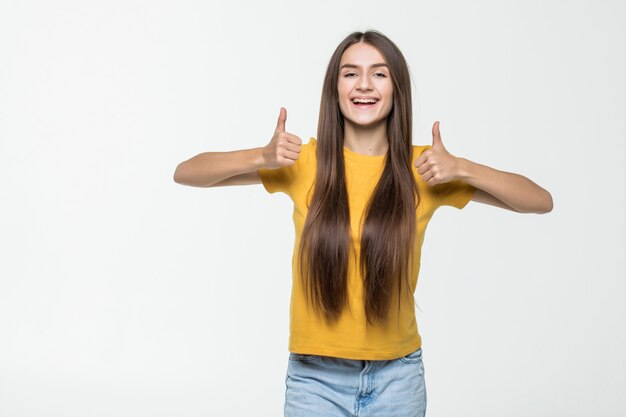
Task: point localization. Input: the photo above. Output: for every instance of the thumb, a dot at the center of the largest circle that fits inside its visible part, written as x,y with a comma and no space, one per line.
282,118
437,142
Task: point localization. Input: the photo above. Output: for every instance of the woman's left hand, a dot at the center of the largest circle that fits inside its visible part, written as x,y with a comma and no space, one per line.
436,165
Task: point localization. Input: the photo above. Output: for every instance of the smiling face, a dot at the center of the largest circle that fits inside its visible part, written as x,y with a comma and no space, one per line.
360,75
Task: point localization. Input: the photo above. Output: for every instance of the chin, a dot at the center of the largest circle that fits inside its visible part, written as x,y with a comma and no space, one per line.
366,122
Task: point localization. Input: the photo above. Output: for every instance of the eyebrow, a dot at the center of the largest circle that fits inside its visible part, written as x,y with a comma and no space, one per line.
381,64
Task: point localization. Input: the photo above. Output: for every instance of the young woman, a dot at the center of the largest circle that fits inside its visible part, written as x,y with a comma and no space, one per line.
363,195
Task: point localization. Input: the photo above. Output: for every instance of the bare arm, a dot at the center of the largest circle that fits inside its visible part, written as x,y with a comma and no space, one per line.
513,190
498,188
211,169
482,196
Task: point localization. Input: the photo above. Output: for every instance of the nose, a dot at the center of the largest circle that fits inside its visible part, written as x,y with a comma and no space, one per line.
364,83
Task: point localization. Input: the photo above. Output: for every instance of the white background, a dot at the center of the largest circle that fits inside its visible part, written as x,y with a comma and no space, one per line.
123,293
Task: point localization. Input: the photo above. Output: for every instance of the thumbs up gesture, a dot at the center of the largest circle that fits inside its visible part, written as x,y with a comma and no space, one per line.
284,148
436,165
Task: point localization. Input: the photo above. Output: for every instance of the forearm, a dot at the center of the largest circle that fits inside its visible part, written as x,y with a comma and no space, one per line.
513,189
208,168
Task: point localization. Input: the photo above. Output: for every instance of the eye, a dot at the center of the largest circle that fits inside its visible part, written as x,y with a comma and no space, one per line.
382,74
378,73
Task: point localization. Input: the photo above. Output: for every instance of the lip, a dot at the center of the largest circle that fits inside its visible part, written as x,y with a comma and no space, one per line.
364,106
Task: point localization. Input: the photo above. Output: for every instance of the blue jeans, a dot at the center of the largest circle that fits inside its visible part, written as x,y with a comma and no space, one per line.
325,386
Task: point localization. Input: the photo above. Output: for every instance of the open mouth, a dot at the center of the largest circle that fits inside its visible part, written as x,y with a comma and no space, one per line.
364,103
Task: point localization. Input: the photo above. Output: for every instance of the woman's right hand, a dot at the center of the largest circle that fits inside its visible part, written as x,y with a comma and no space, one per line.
284,148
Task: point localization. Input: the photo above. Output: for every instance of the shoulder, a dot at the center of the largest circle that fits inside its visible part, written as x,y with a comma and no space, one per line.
308,150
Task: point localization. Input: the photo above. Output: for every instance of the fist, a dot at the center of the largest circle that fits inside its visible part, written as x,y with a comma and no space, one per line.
436,165
284,148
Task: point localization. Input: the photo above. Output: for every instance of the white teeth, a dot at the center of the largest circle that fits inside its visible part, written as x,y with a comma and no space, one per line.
367,100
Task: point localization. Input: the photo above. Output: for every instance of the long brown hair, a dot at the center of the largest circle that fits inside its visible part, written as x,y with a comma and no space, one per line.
388,234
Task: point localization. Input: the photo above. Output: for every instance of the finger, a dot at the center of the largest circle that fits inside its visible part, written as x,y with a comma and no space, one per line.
282,118
288,155
437,142
430,177
289,146
427,176
291,152
419,160
421,163
293,139
424,166
423,157
293,143
423,169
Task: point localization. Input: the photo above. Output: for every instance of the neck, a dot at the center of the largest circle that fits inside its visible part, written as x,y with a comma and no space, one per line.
366,140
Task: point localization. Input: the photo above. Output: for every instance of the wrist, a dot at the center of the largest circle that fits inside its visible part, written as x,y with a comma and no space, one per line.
259,158
464,169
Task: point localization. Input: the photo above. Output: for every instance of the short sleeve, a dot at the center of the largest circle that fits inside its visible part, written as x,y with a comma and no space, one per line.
281,179
455,193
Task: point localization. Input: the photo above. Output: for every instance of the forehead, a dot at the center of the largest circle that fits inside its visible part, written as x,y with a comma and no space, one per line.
361,55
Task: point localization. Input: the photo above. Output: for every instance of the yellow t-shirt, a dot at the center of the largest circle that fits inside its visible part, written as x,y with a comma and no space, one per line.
349,338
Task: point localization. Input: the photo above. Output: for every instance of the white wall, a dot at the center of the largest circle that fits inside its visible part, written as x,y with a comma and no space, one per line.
123,293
